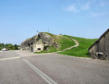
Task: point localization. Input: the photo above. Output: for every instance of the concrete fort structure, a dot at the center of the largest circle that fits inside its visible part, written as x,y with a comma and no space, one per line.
100,49
38,42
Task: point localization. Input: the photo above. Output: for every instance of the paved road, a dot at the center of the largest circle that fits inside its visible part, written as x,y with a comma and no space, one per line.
17,67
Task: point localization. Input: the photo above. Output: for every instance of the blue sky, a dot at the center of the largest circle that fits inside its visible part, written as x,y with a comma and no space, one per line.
20,19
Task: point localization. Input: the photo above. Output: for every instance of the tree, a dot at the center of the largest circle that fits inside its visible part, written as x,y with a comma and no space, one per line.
9,46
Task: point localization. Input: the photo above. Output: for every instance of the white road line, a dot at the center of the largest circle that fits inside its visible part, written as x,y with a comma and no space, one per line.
9,58
40,73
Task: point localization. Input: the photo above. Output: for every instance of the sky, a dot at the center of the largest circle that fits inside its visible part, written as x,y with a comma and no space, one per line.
21,19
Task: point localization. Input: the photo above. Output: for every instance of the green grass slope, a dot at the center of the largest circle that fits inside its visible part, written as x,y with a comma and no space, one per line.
82,49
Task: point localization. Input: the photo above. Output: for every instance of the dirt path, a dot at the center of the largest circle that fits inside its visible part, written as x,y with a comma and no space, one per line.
74,46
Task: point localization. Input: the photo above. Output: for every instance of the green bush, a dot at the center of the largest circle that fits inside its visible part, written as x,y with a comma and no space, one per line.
9,46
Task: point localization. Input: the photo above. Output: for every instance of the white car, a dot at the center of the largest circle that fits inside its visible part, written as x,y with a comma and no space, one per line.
4,49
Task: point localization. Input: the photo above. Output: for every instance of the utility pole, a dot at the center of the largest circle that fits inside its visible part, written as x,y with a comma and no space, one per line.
48,30
37,29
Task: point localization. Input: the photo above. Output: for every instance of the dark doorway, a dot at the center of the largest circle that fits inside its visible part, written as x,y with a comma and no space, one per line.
38,48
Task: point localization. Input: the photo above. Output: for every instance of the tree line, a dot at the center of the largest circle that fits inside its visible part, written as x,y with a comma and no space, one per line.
9,46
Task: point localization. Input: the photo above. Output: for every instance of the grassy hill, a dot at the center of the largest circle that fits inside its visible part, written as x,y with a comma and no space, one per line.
65,41
82,49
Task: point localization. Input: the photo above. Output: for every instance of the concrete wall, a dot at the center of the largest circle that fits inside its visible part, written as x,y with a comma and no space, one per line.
38,47
100,49
93,51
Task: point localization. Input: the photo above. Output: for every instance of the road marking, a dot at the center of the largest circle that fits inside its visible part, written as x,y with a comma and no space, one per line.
9,58
40,73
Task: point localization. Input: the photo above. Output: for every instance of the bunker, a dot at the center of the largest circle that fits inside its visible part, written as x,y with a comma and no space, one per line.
100,49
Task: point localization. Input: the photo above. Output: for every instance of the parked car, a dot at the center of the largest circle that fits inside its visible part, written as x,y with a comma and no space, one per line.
4,49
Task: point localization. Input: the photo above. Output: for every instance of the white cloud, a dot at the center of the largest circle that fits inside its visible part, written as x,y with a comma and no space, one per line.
71,8
76,8
86,6
96,14
102,4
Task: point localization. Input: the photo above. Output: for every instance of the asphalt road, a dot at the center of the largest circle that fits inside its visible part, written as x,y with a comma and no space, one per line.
22,67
